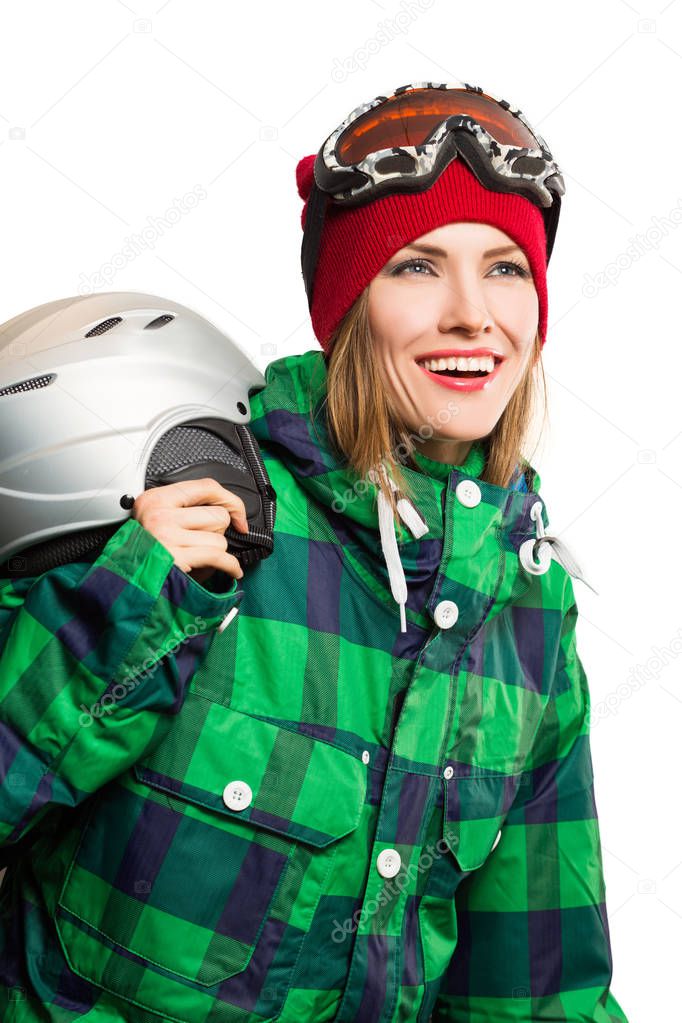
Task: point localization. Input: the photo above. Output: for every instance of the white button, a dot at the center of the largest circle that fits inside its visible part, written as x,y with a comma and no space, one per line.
365,756
227,619
237,795
499,835
445,614
388,862
468,493
448,772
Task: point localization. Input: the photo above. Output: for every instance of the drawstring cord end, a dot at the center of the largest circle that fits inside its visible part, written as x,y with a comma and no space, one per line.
545,548
389,544
403,623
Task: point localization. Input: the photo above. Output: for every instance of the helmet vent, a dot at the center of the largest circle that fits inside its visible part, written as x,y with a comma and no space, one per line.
160,321
28,385
104,326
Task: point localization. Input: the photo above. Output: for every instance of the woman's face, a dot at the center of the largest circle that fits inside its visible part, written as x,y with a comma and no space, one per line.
454,299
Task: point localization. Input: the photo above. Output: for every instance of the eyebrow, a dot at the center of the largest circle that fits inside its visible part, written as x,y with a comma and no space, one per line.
433,250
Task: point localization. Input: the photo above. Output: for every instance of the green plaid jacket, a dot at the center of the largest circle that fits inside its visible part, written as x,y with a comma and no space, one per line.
308,815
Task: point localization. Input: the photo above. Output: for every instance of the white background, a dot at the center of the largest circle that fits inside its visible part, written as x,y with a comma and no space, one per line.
112,112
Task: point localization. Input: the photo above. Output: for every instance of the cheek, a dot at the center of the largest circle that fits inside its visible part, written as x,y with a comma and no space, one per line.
518,314
396,314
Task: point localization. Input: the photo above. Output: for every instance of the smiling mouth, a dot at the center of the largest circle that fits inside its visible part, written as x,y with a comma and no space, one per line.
463,374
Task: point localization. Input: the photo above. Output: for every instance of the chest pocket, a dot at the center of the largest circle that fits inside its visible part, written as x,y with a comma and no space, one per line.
466,826
475,808
206,860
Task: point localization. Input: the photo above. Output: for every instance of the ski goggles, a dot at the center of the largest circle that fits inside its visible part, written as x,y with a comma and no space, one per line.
402,142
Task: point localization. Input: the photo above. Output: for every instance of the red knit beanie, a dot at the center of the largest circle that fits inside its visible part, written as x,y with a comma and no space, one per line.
356,243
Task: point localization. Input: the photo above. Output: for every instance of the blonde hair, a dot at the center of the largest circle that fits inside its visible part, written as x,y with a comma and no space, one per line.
364,424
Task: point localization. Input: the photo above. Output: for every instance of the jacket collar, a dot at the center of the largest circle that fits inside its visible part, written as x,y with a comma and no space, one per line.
288,416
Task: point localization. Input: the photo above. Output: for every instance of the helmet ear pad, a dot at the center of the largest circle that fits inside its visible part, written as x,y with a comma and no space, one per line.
227,452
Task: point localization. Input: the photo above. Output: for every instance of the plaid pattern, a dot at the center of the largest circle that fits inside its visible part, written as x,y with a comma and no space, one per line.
149,894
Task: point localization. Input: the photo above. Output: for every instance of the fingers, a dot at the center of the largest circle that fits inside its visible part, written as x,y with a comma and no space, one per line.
191,518
204,557
198,538
213,518
204,491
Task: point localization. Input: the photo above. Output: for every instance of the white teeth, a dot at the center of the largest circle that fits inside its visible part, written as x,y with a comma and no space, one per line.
484,362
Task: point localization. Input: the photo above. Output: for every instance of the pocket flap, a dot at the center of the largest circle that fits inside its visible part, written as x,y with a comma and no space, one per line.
474,812
288,781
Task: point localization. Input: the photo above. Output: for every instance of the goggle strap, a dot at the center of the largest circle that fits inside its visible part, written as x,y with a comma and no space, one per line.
312,236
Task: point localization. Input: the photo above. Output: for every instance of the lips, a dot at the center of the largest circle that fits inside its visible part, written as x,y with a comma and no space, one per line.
463,383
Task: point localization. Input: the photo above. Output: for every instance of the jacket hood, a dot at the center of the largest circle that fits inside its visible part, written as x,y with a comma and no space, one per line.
288,418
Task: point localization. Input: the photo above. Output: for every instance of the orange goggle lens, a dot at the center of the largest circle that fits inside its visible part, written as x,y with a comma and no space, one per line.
409,118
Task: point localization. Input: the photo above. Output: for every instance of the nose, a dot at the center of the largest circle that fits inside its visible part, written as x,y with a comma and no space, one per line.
464,306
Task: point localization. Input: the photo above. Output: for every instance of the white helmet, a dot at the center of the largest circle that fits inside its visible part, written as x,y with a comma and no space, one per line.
103,396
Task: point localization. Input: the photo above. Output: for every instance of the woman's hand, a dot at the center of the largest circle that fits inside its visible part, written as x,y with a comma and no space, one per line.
190,519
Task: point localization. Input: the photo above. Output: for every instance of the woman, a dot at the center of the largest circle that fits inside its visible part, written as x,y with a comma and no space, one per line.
372,798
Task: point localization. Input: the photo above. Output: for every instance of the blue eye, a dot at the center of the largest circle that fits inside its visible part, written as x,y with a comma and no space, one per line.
397,270
520,270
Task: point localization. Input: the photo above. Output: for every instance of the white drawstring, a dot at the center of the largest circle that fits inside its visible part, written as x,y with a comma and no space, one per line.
389,545
548,547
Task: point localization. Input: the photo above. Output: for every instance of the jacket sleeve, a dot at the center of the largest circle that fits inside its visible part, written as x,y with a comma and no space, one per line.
533,934
94,661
